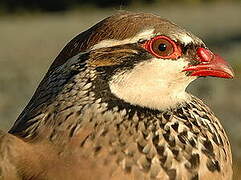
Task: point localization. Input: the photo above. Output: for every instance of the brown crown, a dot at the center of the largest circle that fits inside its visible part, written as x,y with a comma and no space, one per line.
118,27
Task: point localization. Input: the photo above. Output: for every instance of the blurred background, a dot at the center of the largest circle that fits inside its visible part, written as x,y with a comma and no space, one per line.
32,33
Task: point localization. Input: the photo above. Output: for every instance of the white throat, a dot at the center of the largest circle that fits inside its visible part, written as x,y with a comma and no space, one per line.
157,84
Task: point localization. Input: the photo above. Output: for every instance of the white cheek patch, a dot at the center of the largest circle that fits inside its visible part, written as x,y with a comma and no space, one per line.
145,35
157,84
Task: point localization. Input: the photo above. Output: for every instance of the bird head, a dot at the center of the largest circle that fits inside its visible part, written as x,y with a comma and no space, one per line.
145,60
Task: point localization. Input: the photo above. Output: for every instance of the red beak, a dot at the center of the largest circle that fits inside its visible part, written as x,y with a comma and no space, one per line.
210,65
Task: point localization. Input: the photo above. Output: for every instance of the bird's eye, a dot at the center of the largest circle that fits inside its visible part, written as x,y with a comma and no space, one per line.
163,47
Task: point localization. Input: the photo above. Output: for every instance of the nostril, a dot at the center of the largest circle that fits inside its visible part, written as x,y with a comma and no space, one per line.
204,55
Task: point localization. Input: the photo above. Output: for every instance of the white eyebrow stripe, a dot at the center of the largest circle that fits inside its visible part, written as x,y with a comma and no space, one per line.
186,39
183,38
145,35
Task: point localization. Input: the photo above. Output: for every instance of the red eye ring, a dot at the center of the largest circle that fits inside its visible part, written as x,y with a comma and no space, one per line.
176,50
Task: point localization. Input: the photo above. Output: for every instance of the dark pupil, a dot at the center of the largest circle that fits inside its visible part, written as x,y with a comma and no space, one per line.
162,47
